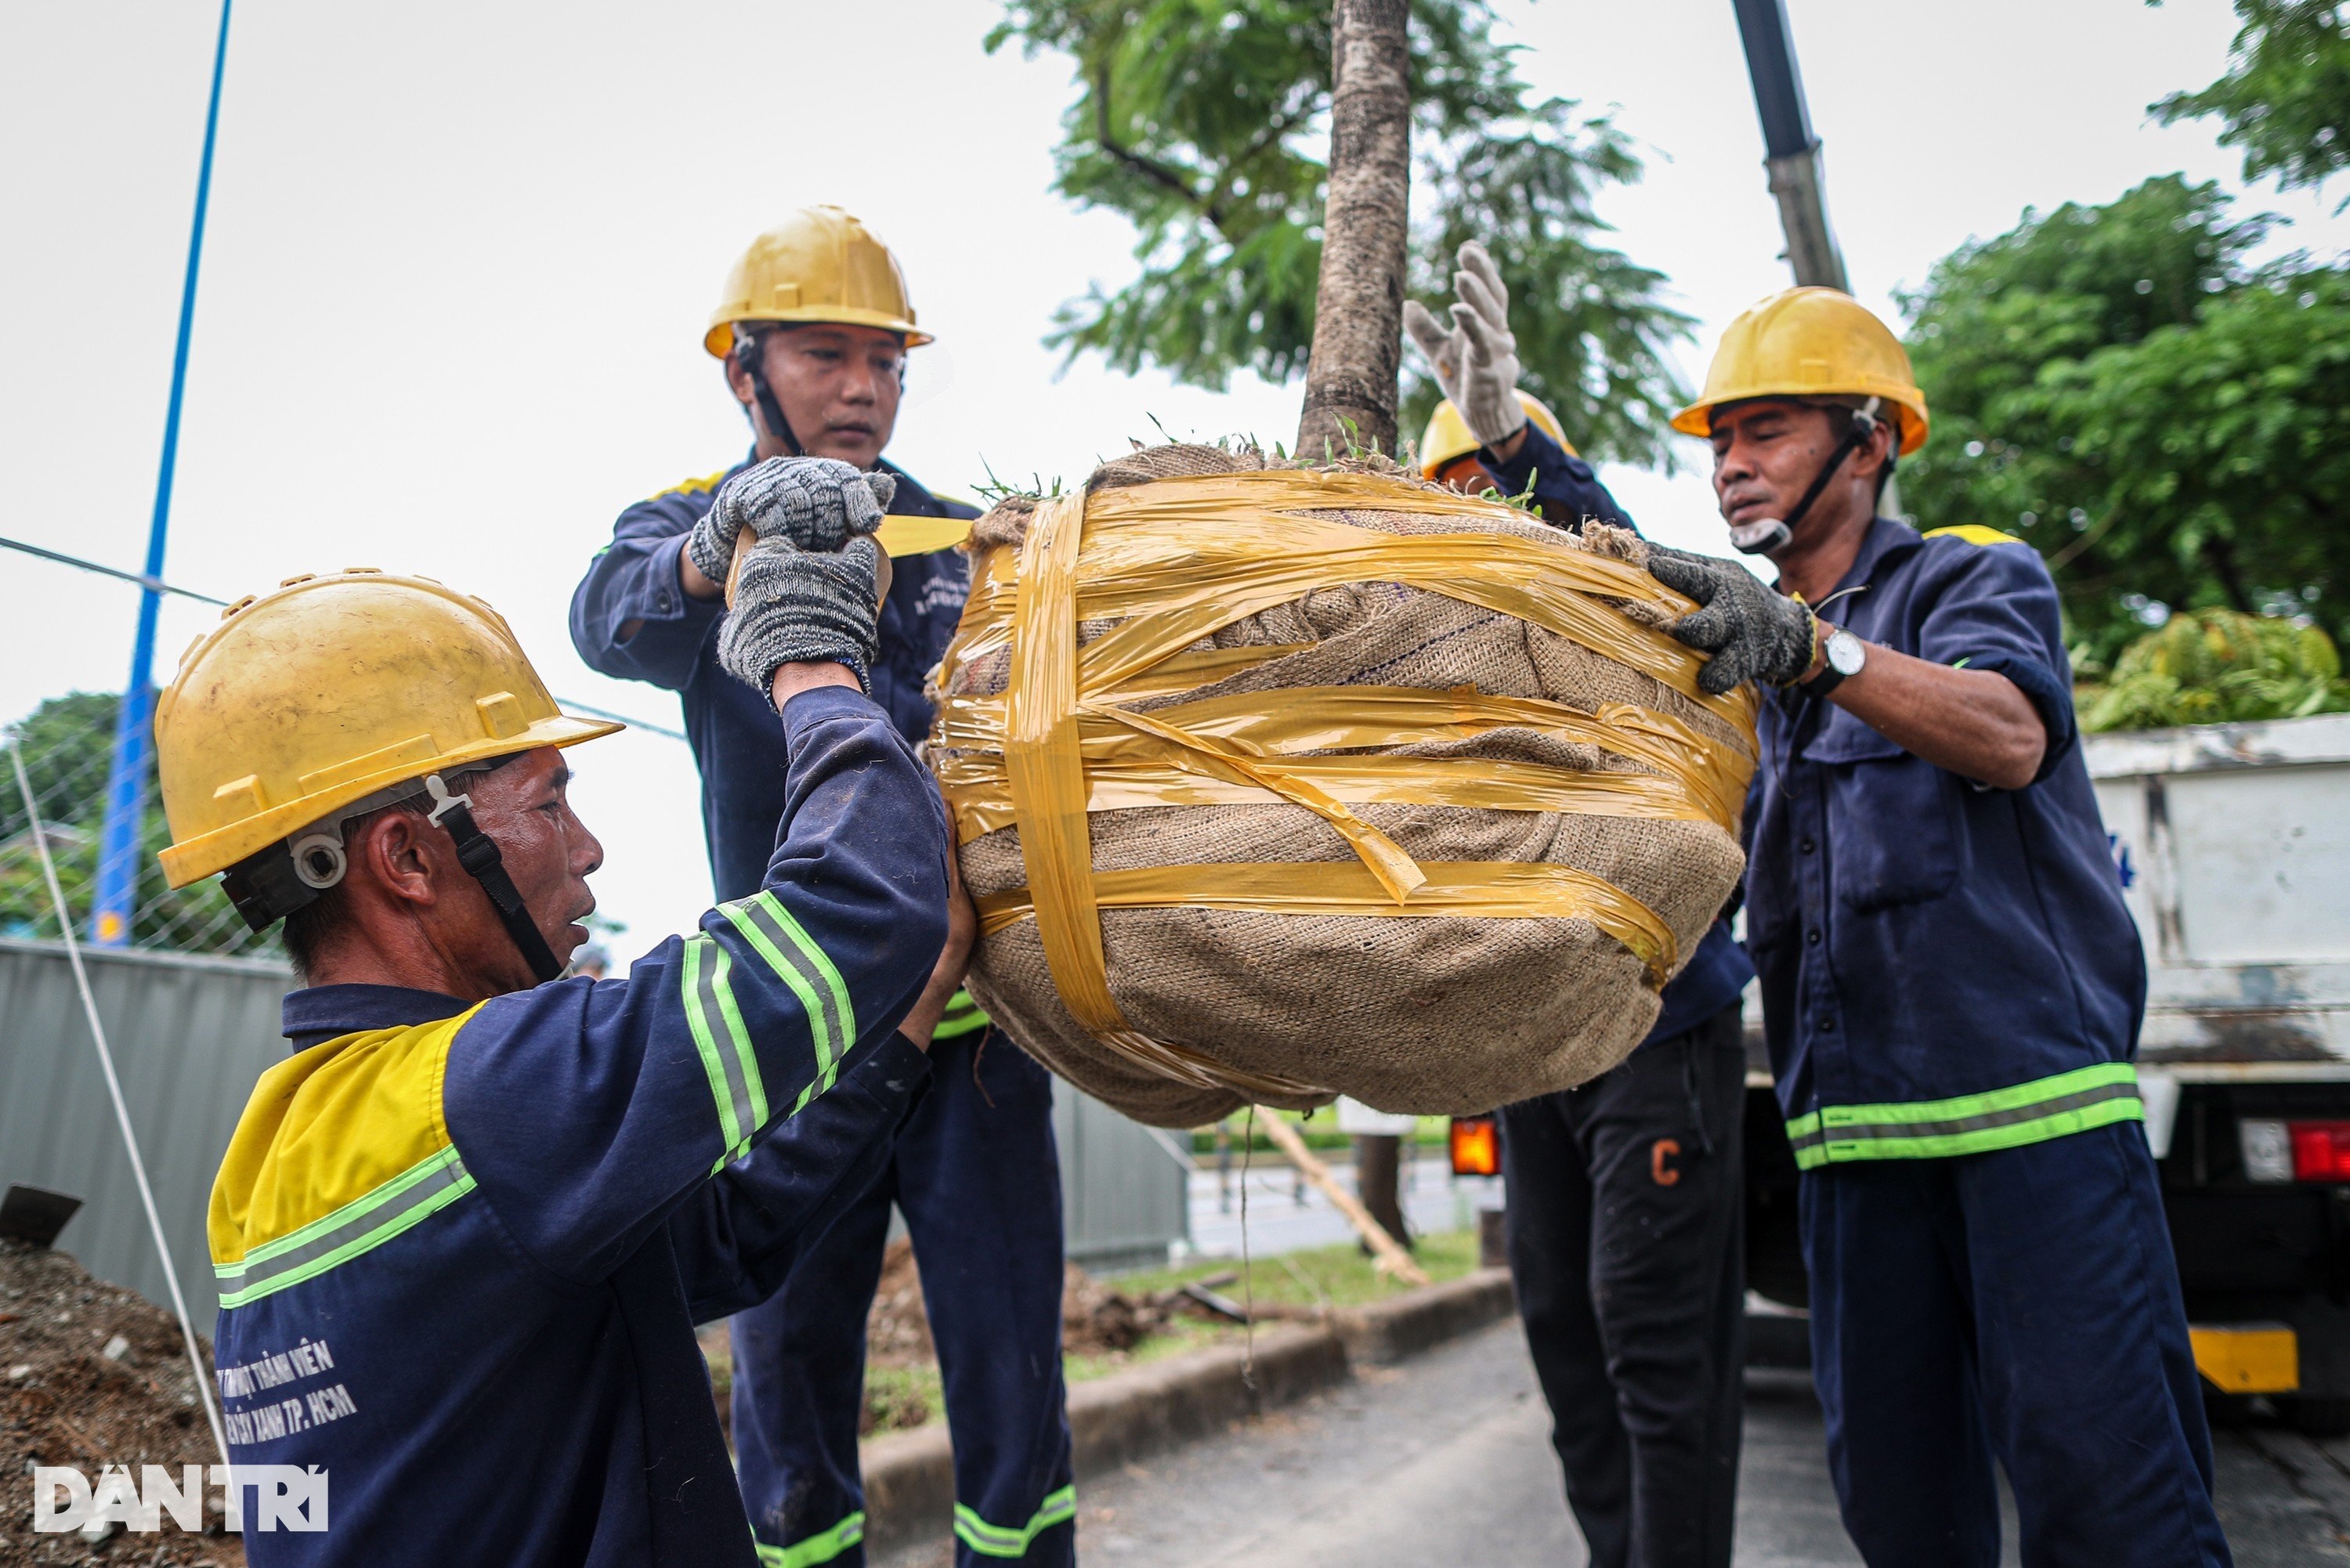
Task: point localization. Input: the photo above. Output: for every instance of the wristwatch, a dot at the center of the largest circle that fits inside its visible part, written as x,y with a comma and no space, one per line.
1845,654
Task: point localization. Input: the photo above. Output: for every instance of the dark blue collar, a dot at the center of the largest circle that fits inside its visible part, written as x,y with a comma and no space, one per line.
1887,538
323,1013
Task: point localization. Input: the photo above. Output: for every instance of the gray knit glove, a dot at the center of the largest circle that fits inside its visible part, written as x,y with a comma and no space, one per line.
1753,632
816,503
1476,359
792,606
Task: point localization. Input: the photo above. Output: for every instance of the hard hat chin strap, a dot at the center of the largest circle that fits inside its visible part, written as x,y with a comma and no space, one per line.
771,411
1768,534
477,852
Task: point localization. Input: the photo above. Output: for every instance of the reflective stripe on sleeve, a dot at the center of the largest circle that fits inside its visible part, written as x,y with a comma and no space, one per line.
2044,1108
724,1044
962,1016
801,964
822,1547
1000,1540
426,1187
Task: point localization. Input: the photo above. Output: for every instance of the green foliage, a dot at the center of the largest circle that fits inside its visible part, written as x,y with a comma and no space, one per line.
2286,99
1205,125
2215,666
68,745
2169,426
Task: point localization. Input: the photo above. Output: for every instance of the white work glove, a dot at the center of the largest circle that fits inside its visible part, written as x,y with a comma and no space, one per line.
816,503
1476,362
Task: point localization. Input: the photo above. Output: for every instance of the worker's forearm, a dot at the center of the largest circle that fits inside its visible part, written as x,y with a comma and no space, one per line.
691,578
1977,724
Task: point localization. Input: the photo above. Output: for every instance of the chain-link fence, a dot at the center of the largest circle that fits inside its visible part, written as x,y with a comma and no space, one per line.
68,746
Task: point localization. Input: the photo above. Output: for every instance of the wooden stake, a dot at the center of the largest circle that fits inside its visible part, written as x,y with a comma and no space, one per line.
1388,1254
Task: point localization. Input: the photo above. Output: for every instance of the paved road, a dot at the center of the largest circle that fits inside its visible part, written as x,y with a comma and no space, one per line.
1446,1460
1285,1214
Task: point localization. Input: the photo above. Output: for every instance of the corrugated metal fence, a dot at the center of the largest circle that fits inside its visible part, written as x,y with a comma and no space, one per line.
189,1036
191,1033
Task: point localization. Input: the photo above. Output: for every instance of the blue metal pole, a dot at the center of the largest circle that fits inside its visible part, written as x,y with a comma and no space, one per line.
126,785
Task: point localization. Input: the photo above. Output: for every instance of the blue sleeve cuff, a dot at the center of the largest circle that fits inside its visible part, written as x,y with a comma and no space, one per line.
657,591
2049,695
818,703
1565,487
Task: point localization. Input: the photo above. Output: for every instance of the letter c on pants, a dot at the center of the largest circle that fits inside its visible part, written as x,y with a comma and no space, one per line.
1663,1149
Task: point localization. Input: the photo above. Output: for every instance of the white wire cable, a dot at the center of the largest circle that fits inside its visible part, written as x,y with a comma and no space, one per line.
114,1087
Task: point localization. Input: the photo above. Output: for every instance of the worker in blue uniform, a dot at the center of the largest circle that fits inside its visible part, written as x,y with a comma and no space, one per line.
463,1234
1624,1223
814,331
1951,987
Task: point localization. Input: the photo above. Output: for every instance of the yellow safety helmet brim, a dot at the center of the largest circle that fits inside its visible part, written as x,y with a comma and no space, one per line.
1806,343
822,265
720,340
1447,439
328,689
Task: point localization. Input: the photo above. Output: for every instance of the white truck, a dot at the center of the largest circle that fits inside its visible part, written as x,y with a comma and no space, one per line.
2232,843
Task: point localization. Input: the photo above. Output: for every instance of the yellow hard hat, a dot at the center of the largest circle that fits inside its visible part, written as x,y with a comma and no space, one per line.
1448,438
1810,343
326,690
820,265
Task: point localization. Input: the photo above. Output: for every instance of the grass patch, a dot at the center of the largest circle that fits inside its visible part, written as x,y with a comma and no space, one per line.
1338,1275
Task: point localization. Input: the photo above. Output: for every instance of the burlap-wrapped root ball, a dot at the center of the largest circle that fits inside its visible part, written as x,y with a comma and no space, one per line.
1275,783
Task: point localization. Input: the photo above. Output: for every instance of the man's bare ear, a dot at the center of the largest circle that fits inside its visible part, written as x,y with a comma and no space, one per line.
738,380
396,856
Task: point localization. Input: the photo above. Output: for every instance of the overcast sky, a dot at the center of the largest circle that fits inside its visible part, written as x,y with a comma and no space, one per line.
461,257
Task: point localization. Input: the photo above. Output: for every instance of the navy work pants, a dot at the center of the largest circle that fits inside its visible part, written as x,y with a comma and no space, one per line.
2024,1305
976,1176
1626,1236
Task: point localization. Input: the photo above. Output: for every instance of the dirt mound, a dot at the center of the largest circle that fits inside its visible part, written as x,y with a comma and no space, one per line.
1096,1318
92,1375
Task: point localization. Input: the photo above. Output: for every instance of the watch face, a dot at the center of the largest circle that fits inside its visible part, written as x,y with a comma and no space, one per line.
1845,653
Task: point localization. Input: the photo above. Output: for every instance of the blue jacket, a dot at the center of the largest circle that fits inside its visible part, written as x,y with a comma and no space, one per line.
1946,968
1569,493
462,1247
1565,487
738,742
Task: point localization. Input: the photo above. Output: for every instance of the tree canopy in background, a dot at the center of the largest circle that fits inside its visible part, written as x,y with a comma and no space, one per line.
68,744
2216,666
1206,127
2286,99
2167,424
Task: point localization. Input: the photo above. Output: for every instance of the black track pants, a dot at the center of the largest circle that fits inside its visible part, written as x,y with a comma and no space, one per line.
1625,1238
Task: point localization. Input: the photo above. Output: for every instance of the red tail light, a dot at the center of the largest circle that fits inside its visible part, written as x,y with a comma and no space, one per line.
2321,1150
1477,1146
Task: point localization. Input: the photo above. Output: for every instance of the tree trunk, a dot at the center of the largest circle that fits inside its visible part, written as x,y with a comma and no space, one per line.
1358,303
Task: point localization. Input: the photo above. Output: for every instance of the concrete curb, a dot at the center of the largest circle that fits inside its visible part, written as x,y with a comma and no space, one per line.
1145,1411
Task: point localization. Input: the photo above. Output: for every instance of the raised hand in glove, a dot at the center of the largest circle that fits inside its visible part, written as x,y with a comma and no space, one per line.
794,606
1476,360
816,503
1753,632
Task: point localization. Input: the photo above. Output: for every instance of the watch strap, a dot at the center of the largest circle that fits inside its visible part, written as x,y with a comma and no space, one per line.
1820,685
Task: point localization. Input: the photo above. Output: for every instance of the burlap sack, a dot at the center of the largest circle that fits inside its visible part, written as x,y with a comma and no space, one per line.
1437,1015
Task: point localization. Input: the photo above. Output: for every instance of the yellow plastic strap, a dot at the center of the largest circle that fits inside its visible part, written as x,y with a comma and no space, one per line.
1048,796
1702,780
1490,889
1041,762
